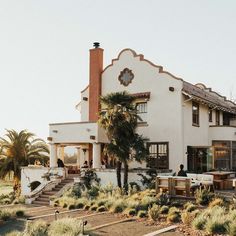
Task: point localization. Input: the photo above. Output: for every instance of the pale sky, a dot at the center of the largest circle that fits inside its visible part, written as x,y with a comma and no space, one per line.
44,46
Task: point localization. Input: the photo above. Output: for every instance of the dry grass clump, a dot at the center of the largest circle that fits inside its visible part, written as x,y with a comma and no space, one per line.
65,227
216,202
154,212
187,217
36,228
164,210
173,215
142,214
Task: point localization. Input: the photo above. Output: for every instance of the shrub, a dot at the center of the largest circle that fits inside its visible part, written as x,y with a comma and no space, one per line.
35,228
146,202
86,207
118,206
154,212
173,215
216,225
142,214
71,207
101,209
231,229
134,185
164,210
130,212
93,208
14,233
65,227
191,207
20,213
64,205
199,222
216,202
187,217
5,214
101,202
163,199
93,191
203,196
80,205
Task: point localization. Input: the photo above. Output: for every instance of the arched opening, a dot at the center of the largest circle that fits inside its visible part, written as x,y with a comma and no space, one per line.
34,185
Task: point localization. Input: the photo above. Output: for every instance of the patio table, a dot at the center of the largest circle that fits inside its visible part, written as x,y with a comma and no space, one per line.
220,177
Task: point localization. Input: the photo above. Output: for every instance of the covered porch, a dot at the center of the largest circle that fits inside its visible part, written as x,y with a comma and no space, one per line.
87,137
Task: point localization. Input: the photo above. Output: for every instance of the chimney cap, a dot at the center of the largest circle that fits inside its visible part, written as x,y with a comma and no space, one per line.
96,44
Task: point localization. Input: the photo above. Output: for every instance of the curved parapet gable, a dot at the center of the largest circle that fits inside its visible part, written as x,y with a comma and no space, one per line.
141,58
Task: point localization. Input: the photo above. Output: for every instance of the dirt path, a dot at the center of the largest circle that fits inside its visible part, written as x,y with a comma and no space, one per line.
94,219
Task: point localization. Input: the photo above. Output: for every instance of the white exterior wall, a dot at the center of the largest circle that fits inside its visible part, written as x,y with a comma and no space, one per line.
164,117
194,135
76,132
222,133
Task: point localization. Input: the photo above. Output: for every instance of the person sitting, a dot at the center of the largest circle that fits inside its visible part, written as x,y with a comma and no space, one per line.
85,165
103,165
181,171
60,163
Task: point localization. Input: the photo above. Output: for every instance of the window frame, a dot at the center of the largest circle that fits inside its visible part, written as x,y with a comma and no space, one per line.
157,160
210,119
197,115
141,112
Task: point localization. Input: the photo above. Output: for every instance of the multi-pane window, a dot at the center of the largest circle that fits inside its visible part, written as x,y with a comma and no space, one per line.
158,155
142,111
195,113
210,115
217,117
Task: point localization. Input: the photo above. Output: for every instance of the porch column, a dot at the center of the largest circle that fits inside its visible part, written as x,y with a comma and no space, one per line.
62,153
53,155
78,163
96,155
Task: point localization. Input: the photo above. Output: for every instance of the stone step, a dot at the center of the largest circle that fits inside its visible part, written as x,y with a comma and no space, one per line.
42,199
49,193
46,197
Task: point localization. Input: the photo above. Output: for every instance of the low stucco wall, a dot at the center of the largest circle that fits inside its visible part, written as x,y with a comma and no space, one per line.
109,176
33,173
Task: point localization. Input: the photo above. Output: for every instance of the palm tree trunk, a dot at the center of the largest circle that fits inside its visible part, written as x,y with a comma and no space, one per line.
118,173
16,186
126,170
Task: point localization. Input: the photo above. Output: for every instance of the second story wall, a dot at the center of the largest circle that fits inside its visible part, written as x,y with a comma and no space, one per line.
164,113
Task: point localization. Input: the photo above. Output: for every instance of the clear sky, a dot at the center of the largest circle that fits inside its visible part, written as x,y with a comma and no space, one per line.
44,46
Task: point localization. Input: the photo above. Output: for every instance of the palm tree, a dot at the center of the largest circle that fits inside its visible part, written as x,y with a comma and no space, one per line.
119,119
16,150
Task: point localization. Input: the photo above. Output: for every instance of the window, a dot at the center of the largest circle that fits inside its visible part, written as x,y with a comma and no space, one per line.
210,115
217,117
226,118
195,113
222,153
158,155
142,111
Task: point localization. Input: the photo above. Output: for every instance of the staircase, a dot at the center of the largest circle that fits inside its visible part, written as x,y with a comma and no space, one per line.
43,198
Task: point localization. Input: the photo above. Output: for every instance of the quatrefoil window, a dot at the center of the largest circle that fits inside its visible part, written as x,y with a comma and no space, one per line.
126,76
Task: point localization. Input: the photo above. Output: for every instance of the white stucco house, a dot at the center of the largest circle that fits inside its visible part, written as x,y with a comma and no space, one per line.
183,123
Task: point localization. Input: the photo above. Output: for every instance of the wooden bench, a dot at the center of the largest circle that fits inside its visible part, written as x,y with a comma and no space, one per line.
163,184
175,186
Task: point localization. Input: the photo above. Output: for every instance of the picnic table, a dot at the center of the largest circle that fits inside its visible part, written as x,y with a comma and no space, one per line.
222,179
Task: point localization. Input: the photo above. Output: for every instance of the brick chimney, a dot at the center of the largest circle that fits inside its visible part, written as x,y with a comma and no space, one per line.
95,70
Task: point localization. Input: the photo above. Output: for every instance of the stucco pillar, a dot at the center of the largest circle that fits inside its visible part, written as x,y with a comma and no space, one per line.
53,155
62,153
96,155
78,163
